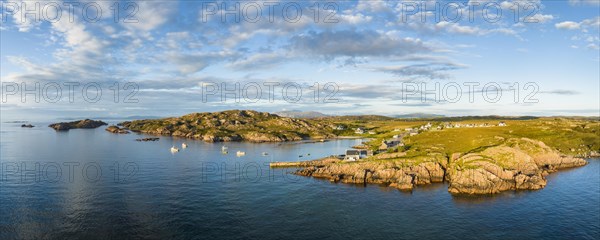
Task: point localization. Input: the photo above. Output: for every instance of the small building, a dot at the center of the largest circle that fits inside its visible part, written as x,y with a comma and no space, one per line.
501,124
340,127
387,144
356,154
359,131
372,132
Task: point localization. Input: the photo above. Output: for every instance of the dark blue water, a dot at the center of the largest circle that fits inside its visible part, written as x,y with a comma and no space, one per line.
93,184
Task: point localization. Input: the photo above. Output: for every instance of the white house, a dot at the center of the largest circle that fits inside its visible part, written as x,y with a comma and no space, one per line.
356,154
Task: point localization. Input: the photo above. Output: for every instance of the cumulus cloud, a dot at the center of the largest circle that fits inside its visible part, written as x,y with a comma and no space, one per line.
570,25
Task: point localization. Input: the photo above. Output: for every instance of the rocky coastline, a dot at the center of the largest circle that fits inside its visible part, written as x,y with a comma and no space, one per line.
232,126
518,164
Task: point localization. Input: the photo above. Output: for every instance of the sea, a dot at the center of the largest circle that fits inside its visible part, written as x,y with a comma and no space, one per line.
92,184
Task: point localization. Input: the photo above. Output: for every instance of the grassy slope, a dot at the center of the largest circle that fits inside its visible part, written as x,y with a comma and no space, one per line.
570,136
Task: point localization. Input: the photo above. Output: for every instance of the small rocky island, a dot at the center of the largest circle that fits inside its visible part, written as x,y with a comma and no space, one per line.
27,126
87,123
233,125
117,130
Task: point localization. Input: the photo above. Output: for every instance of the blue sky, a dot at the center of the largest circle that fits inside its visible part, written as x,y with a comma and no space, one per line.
371,52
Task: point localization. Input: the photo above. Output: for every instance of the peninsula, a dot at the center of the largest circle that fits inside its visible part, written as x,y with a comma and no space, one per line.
474,155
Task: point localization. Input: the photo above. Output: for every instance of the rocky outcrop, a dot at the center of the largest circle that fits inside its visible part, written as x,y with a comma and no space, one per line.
87,123
517,164
116,129
320,162
234,125
391,173
27,126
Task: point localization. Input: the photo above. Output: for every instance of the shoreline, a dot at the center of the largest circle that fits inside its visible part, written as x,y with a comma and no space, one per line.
405,174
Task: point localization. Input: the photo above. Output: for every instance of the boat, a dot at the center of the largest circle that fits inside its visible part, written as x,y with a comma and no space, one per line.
223,149
183,145
174,149
240,153
265,153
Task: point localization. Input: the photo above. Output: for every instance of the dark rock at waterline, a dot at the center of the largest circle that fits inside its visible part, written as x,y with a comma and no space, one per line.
147,139
87,123
27,126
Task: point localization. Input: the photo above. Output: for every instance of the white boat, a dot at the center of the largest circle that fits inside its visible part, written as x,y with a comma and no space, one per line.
174,149
240,153
183,145
265,153
223,149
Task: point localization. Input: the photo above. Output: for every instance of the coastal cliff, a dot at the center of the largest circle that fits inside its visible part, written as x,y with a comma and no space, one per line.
516,164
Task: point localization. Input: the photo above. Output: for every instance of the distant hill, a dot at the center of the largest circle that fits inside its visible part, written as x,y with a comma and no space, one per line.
419,115
357,118
300,114
493,117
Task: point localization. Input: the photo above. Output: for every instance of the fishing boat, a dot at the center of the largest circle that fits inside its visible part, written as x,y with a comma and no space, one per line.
224,150
174,149
240,153
183,145
265,153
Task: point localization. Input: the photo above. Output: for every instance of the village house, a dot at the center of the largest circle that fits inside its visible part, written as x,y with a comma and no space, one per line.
501,124
388,144
359,131
356,154
340,127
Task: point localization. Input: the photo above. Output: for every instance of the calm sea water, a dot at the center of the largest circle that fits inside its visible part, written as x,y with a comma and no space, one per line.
97,185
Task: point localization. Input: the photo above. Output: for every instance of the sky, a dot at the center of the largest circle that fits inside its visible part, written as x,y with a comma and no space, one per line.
169,58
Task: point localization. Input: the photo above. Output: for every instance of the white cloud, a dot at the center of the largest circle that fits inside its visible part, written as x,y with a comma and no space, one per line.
355,19
150,15
540,18
593,46
570,25
456,28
